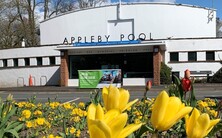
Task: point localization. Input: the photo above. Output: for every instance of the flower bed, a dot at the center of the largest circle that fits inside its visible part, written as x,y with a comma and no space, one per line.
110,114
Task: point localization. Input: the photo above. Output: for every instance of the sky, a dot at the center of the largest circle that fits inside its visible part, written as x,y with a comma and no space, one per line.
215,4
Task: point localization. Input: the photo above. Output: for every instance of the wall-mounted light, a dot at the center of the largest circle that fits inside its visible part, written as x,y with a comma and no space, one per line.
62,53
155,49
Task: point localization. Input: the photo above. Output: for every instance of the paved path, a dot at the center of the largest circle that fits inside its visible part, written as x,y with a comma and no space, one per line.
63,94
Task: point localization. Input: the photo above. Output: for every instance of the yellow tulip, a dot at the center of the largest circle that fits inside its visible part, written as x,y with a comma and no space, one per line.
199,125
109,125
115,98
167,111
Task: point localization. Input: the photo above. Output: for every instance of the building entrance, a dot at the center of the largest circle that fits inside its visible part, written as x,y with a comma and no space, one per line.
133,65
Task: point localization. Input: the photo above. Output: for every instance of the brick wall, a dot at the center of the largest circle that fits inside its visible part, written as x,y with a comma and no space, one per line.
64,72
156,66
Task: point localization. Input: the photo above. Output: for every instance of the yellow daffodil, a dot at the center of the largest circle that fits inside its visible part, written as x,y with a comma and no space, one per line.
108,125
67,106
72,130
38,113
51,136
26,114
78,133
81,105
40,121
199,125
76,119
167,111
115,98
28,124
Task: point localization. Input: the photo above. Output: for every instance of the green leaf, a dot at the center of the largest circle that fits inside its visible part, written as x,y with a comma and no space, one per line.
19,127
1,133
12,124
5,120
143,129
1,110
178,83
13,132
62,134
193,99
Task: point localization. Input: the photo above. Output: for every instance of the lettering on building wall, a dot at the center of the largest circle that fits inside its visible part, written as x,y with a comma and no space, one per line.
105,38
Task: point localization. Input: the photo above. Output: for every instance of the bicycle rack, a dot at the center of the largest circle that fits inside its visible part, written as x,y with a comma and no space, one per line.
20,78
41,80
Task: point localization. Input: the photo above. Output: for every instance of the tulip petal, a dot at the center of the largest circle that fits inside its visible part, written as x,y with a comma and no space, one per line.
129,129
118,124
212,124
99,112
91,114
96,132
113,98
99,128
129,105
201,126
190,122
105,93
177,117
124,98
172,108
159,109
110,115
187,117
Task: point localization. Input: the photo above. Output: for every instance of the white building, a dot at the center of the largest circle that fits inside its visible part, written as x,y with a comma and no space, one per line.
135,38
42,63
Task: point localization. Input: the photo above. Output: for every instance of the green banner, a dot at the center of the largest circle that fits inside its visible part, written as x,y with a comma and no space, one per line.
89,79
99,78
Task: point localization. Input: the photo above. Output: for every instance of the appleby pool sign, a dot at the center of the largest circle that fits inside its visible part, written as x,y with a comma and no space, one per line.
105,38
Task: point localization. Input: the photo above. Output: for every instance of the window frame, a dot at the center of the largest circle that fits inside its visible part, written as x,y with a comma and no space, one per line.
192,55
52,59
39,61
15,62
27,61
208,53
172,58
5,63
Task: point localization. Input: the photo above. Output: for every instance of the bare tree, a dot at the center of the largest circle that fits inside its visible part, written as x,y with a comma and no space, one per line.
46,8
61,6
27,19
18,19
8,19
89,3
218,27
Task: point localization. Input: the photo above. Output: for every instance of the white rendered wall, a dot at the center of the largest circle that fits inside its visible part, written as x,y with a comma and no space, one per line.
161,20
29,52
198,45
18,76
